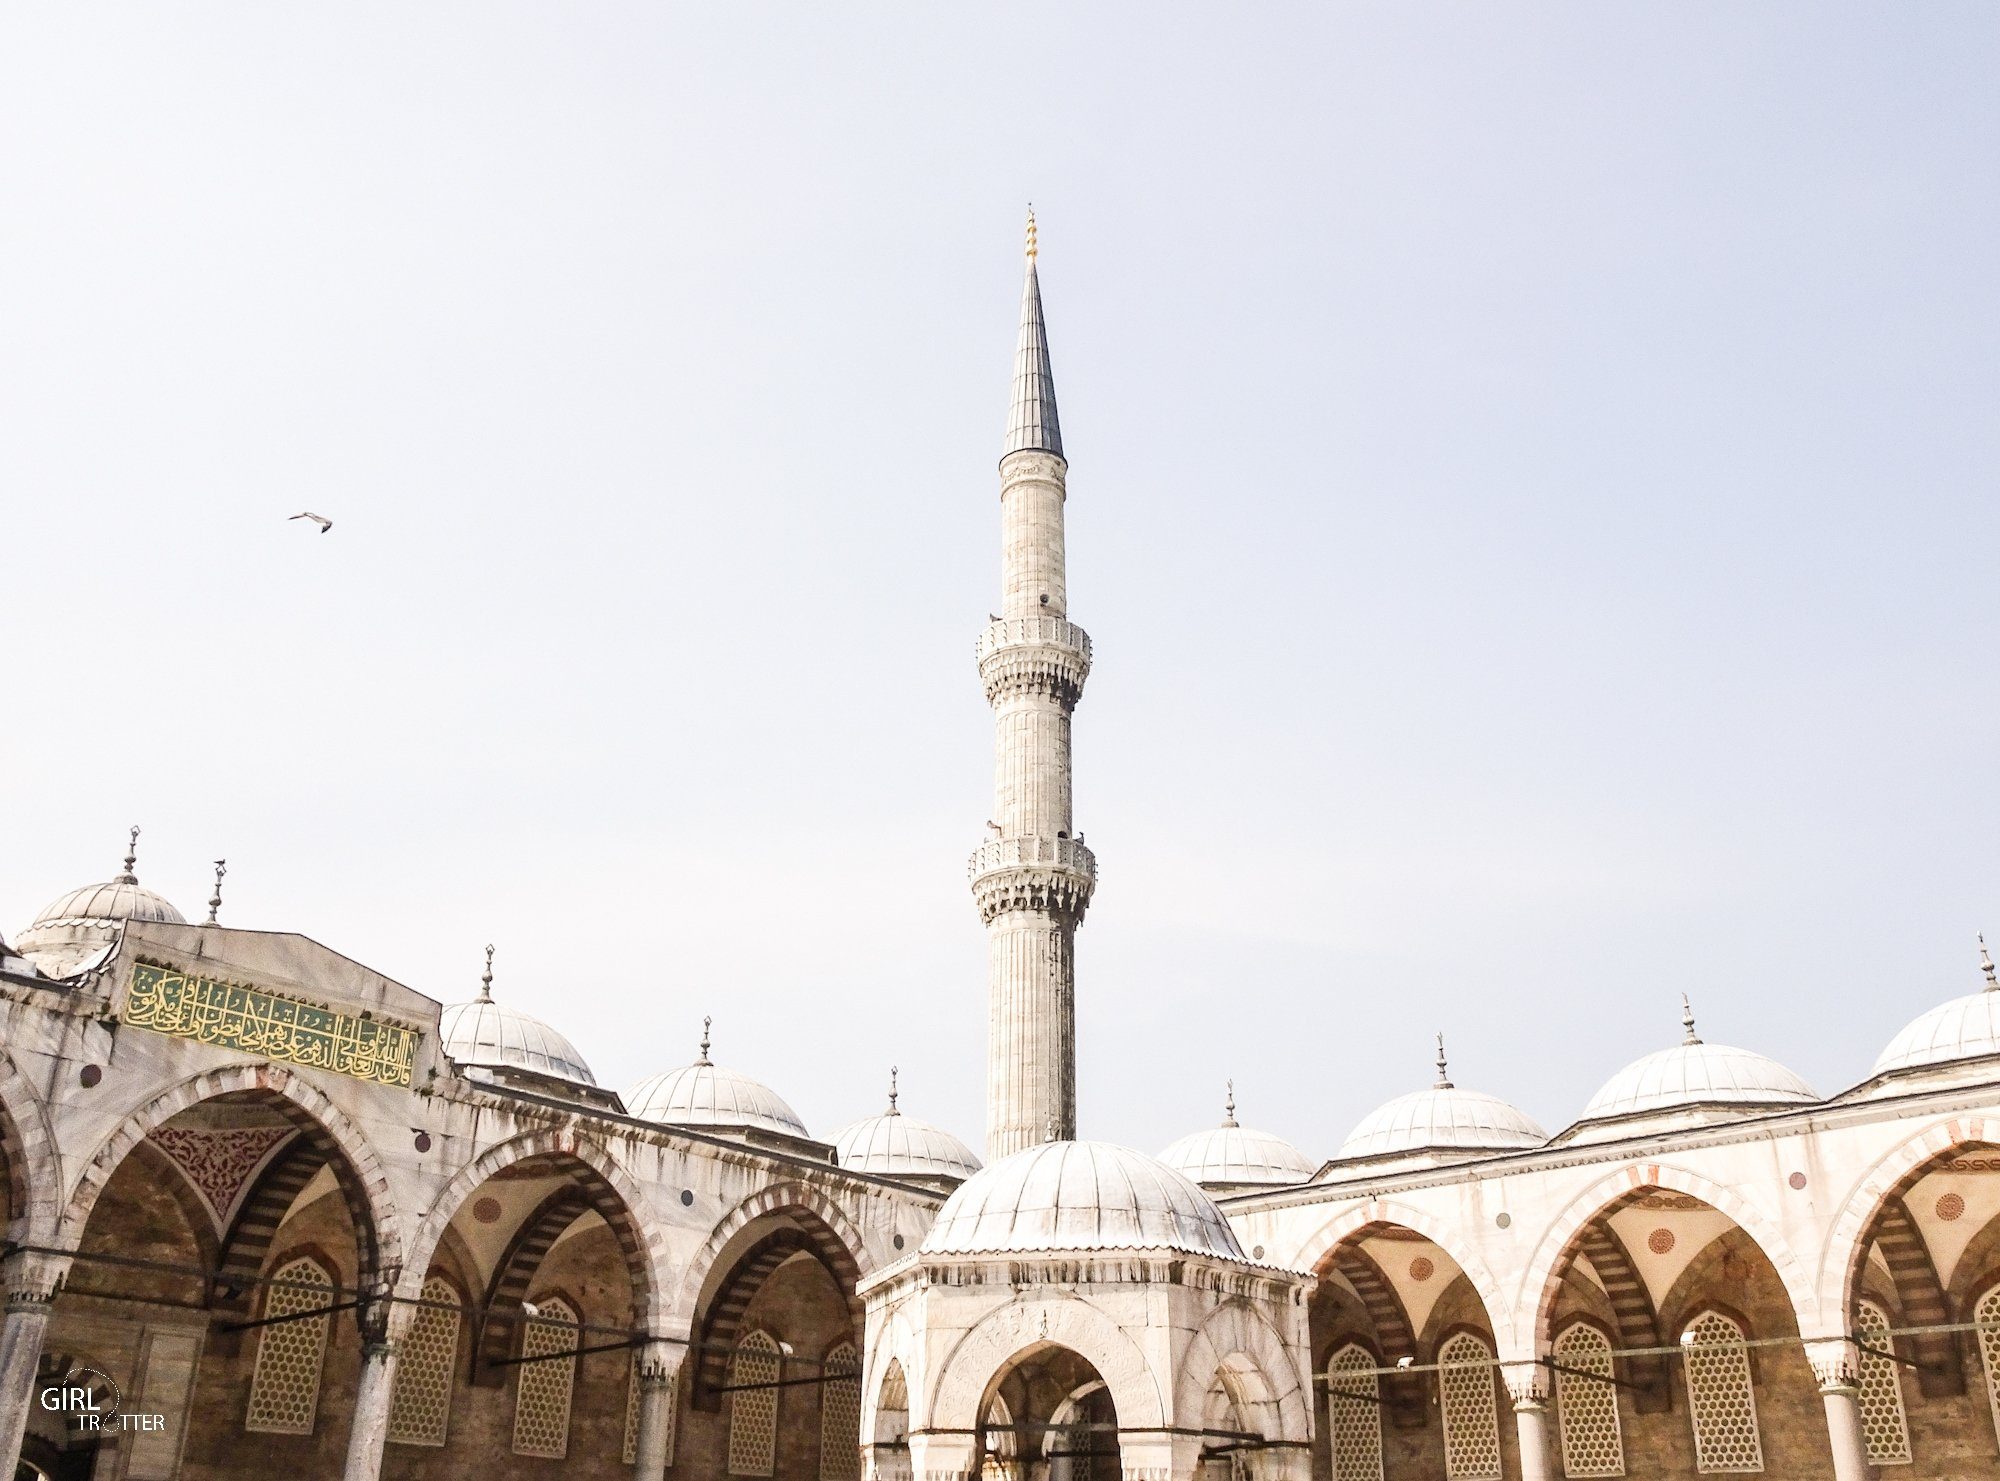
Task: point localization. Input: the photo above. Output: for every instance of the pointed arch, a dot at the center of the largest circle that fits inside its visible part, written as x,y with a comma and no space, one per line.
32,1161
1272,1395
363,1183
1636,1322
1008,1335
1542,1283
1920,1296
501,1315
1385,1211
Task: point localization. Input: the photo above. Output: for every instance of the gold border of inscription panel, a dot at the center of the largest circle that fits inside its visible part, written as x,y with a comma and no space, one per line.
167,1000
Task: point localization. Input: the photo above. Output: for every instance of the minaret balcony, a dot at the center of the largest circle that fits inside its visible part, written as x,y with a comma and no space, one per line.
1044,655
1056,875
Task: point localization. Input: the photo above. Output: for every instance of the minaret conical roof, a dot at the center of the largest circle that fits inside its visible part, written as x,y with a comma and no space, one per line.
1032,424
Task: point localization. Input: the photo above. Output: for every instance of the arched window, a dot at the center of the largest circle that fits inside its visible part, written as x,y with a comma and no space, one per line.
670,1401
1354,1414
1471,1417
840,1415
1883,1424
542,1392
1987,1314
1720,1400
1593,1444
753,1412
420,1412
284,1390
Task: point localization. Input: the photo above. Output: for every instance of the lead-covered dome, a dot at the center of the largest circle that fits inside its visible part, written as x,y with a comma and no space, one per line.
1441,1123
1691,1077
1233,1156
1964,1028
1080,1196
893,1145
74,930
706,1094
483,1034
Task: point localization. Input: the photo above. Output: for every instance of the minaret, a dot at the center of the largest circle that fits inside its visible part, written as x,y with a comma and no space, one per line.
1032,877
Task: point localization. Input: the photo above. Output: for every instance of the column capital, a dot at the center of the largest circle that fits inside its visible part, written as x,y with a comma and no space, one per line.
1836,1363
1528,1384
32,1277
659,1361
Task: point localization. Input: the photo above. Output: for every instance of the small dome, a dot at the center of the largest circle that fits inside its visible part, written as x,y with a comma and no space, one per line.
1693,1074
705,1094
81,924
894,1145
1443,1118
489,1035
1233,1156
1964,1028
1079,1196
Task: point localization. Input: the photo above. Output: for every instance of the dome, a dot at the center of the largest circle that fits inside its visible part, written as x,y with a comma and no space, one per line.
1696,1074
70,931
1964,1028
1443,1119
490,1035
1079,1196
706,1094
894,1145
1233,1156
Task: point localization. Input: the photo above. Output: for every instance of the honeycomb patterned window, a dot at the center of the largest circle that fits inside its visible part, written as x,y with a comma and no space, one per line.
1987,1314
753,1412
1720,1399
542,1392
1354,1414
1883,1423
420,1412
284,1389
1471,1417
1593,1444
632,1415
840,1415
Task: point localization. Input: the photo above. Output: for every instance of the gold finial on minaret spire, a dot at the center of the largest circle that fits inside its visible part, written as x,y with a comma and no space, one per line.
1031,231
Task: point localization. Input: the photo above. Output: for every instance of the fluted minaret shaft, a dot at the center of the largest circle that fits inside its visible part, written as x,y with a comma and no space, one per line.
1032,878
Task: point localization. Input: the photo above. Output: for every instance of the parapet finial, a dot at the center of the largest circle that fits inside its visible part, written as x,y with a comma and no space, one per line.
1031,231
1444,1079
892,1092
486,977
1229,1103
215,900
1986,966
1687,1022
131,859
1055,1132
705,1022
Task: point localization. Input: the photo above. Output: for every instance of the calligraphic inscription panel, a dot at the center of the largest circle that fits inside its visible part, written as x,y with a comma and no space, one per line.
170,1001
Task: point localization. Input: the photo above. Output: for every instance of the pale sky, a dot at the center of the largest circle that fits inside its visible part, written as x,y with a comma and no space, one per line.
1533,493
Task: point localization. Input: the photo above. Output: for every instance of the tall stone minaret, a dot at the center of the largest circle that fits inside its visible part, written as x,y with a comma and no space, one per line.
1032,877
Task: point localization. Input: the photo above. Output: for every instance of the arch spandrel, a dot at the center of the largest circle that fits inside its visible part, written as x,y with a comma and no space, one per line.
954,1393
1452,1239
776,1199
1540,1284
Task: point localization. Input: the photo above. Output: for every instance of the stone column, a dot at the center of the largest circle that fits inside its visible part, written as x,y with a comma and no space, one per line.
659,1364
382,1327
1837,1365
943,1457
1528,1386
31,1283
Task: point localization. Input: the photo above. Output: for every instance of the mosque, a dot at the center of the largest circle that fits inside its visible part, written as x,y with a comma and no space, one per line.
270,1213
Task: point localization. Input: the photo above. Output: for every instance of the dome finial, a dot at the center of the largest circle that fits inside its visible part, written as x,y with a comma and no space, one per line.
486,977
131,859
892,1092
215,900
1229,1103
705,1022
1687,1022
1443,1079
1986,966
1031,231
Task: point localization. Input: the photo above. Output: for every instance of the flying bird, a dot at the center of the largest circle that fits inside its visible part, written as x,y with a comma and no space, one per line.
321,520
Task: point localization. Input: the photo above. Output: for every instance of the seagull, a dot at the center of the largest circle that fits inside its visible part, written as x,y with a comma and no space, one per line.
321,520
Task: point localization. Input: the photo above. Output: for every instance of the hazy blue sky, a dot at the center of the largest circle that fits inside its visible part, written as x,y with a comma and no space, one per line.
1533,492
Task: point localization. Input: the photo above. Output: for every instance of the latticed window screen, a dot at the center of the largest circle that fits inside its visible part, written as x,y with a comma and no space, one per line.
1354,1414
1593,1444
840,1415
1471,1416
420,1412
1883,1424
632,1414
1987,1314
284,1390
1719,1398
753,1412
542,1392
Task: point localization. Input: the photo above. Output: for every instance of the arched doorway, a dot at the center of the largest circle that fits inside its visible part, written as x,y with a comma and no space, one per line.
1048,1416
